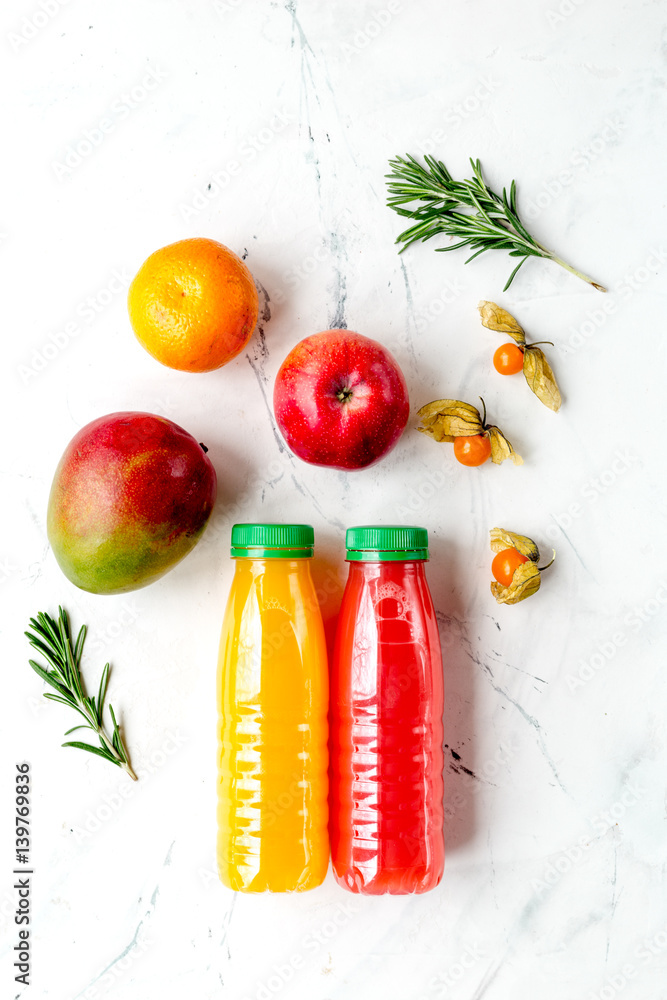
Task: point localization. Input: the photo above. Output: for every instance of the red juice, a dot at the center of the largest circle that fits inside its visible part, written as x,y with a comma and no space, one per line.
386,822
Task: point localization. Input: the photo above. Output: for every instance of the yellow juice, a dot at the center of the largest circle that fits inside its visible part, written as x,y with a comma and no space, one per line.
272,730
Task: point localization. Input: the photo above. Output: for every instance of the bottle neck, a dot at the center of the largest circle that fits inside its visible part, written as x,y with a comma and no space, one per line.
388,569
269,569
273,564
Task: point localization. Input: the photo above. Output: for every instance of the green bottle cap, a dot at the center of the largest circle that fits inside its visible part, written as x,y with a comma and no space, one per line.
386,543
277,541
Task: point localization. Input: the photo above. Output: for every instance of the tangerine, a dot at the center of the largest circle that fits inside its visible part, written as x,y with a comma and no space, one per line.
193,305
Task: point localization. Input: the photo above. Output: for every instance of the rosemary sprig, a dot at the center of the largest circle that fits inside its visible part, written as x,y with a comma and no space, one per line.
53,640
491,222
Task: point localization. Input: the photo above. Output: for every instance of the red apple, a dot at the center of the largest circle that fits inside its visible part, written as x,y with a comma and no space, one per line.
340,400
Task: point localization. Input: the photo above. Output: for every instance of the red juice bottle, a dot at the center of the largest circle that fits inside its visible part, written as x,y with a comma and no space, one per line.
386,823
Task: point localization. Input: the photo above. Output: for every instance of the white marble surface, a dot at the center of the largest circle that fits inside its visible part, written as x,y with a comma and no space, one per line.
555,874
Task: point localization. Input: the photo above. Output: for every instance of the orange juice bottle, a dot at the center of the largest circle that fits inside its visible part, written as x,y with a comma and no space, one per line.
272,716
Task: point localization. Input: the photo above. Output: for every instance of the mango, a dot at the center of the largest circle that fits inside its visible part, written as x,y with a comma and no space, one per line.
130,498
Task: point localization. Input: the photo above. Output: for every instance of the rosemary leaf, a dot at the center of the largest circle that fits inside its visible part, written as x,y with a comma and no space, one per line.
96,750
468,210
49,678
53,640
104,681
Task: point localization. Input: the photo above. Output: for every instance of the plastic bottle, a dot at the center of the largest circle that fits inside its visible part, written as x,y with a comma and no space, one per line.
386,716
272,722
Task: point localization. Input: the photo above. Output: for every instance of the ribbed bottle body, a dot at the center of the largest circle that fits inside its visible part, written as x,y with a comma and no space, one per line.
386,743
272,730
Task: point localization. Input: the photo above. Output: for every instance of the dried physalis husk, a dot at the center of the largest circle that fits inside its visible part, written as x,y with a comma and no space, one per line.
526,579
525,582
496,318
540,378
501,539
501,448
446,419
536,369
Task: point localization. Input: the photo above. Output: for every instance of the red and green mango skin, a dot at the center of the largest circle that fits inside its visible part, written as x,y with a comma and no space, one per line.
130,498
